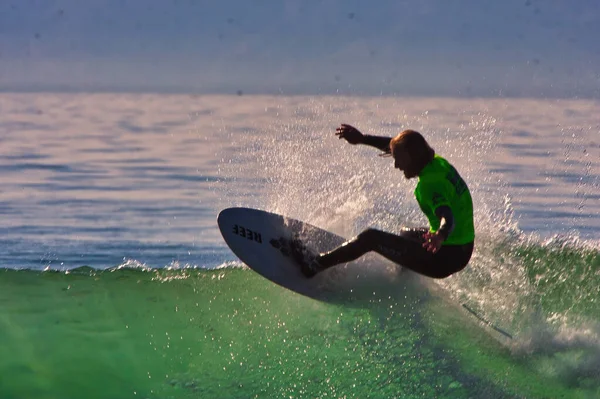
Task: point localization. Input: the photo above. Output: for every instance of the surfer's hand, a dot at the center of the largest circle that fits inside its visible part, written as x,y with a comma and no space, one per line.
433,241
351,134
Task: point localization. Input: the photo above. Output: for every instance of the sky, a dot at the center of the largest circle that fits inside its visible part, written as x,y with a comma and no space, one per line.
528,48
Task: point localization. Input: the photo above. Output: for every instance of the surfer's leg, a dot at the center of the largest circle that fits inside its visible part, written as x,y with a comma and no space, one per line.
367,241
414,233
350,250
407,250
347,252
371,240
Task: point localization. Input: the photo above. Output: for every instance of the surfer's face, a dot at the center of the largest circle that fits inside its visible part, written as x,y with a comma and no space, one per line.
403,161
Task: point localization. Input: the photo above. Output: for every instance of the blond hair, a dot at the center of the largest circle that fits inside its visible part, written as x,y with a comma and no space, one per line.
415,144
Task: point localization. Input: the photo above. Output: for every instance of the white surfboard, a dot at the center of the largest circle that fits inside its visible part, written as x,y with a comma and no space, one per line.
254,236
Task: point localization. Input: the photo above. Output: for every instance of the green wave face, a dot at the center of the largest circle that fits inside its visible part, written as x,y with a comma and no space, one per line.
545,295
566,277
230,333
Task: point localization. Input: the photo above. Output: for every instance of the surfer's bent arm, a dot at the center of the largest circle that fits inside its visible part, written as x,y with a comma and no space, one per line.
446,221
379,142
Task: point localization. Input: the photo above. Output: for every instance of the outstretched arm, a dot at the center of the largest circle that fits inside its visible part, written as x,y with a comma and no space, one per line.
353,136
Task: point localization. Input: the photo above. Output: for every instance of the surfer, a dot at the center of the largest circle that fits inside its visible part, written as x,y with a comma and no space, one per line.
438,251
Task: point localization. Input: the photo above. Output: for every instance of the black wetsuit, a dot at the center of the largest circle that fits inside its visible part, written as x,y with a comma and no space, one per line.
406,249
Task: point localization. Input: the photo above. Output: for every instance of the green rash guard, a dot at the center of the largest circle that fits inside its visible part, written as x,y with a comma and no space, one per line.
439,185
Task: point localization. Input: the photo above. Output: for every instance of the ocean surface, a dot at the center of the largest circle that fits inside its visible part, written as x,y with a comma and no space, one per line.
115,282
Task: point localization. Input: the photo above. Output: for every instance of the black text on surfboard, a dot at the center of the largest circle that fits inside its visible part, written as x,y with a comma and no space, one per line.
247,233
